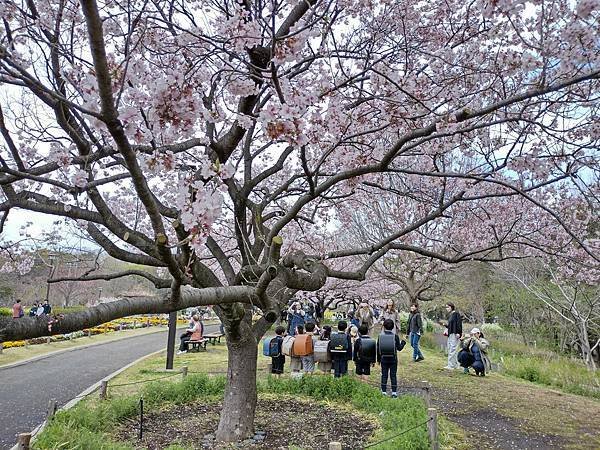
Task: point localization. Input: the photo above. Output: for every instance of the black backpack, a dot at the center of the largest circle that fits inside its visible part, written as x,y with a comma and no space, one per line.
368,350
338,343
387,344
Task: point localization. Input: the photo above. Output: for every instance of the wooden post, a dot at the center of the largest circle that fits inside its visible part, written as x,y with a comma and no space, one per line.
47,339
134,324
425,386
184,372
89,333
432,428
1,347
23,440
120,327
335,446
103,389
52,407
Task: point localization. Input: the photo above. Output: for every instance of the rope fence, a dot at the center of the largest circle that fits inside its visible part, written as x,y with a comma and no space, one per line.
390,438
424,388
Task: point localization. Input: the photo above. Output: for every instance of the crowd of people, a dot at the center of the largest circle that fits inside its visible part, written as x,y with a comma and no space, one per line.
311,348
37,309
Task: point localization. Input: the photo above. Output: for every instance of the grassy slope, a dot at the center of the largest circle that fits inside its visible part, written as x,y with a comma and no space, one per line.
537,409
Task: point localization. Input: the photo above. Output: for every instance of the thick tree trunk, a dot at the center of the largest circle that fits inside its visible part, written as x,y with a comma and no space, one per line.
239,403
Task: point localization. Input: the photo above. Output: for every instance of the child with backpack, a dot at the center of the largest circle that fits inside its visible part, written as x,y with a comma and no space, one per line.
387,345
322,353
276,353
365,352
295,359
340,347
307,348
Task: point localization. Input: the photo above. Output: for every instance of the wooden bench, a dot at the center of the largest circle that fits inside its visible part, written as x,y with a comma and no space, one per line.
213,338
195,346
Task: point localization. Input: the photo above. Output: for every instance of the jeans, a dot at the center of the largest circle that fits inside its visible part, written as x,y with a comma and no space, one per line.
392,368
414,343
183,347
452,351
340,367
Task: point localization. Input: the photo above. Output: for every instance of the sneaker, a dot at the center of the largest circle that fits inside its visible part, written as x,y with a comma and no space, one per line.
179,352
448,368
394,395
466,370
384,393
420,358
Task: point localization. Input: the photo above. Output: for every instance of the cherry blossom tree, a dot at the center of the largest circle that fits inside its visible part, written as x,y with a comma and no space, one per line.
224,142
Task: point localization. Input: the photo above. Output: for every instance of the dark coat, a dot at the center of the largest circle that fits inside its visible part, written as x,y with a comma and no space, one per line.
454,323
415,323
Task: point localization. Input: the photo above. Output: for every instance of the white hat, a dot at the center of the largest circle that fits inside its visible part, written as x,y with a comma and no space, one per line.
475,330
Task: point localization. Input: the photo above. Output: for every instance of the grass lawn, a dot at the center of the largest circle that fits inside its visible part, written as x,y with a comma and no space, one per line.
16,354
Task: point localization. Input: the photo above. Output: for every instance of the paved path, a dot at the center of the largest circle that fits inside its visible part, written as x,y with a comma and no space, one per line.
26,390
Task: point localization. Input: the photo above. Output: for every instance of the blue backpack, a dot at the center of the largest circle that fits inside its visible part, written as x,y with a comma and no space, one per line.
271,347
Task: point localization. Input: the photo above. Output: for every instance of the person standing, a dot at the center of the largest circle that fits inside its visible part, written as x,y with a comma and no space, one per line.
365,353
308,361
366,316
295,318
325,366
340,346
415,331
391,313
278,362
17,310
454,331
388,344
47,308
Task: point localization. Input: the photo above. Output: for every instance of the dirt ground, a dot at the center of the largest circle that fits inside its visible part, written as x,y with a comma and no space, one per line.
306,425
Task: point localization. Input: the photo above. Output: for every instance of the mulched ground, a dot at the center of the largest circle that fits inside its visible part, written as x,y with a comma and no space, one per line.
281,423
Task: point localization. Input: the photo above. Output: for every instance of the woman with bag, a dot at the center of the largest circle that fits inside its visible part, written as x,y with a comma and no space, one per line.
415,331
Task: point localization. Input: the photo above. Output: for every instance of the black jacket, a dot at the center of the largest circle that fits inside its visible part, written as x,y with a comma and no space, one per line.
415,323
454,323
399,346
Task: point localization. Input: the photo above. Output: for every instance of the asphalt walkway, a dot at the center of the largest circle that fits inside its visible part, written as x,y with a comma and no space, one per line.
26,390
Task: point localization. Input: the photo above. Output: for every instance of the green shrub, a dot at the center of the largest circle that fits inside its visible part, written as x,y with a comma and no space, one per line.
5,312
529,373
492,328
